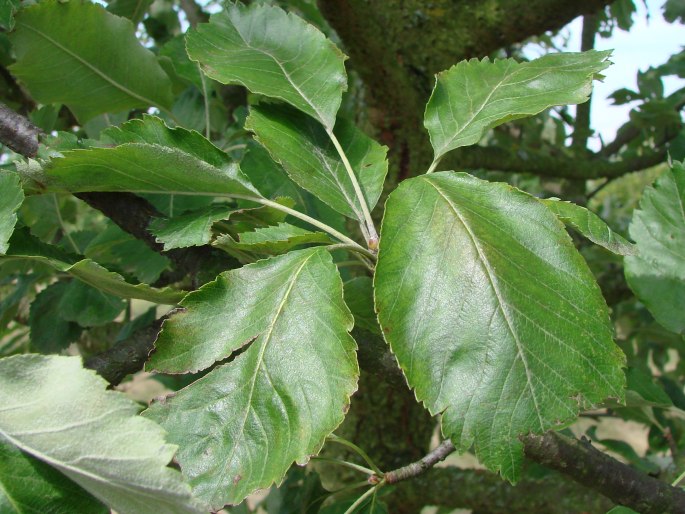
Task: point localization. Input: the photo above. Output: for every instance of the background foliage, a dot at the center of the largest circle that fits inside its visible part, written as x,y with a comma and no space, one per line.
230,204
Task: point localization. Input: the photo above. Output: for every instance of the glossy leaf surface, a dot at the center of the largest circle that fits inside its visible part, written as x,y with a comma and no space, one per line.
657,274
474,96
273,53
494,317
62,414
79,54
305,151
591,226
11,197
29,486
152,158
241,426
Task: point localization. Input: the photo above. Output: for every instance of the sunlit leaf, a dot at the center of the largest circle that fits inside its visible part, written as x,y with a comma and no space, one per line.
78,54
273,53
240,427
474,96
493,315
63,415
657,274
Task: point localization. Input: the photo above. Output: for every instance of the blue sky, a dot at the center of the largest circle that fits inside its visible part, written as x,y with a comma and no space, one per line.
650,42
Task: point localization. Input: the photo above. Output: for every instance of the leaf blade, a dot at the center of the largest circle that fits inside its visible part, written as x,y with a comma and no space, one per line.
273,53
658,227
115,71
467,322
242,425
590,225
474,96
43,396
306,152
11,198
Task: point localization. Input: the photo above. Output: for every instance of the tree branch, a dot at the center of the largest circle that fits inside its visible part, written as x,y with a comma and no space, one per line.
562,166
128,356
130,212
596,470
17,132
581,462
419,467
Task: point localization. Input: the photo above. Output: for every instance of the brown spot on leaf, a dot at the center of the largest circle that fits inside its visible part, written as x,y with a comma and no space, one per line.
237,479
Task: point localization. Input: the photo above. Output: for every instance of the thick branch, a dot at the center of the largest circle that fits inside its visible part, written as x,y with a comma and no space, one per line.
596,470
127,357
17,132
563,166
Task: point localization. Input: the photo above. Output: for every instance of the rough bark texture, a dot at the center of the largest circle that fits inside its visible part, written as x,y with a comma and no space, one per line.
596,470
18,133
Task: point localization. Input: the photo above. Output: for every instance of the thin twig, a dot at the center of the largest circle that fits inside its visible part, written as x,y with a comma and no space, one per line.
420,466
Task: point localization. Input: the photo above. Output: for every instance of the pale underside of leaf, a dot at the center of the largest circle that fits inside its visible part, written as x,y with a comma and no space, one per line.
62,414
494,317
241,427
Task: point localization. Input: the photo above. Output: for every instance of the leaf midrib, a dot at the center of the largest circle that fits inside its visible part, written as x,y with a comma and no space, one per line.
260,359
500,303
95,70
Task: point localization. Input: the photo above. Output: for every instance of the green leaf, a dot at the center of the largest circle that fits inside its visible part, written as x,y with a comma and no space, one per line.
134,10
268,176
29,486
113,247
241,426
11,197
7,10
108,69
143,168
273,53
88,306
272,240
23,246
50,332
474,96
657,274
175,50
304,149
494,317
590,225
190,229
63,415
359,298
